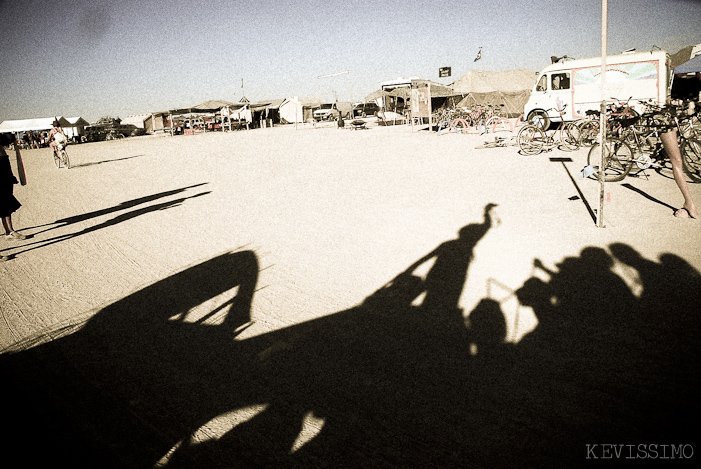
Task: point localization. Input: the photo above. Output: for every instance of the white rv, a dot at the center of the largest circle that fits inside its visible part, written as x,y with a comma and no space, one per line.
645,77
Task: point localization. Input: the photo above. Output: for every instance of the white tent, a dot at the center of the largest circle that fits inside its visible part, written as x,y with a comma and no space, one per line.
27,125
297,109
76,127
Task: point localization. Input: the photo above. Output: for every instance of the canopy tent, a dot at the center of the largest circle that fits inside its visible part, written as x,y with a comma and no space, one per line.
691,66
30,125
687,80
206,107
376,95
683,55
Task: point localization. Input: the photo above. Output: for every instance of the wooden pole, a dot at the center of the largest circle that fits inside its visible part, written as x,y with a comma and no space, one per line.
430,109
602,121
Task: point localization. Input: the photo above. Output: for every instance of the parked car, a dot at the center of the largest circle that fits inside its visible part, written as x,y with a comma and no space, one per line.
327,111
365,109
331,111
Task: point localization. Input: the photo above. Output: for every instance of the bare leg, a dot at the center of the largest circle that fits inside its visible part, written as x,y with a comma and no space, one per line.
7,224
669,140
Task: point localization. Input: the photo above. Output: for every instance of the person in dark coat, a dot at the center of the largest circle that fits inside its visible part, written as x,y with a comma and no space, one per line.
8,203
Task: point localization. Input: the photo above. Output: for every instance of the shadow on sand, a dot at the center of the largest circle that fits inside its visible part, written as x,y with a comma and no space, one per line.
159,378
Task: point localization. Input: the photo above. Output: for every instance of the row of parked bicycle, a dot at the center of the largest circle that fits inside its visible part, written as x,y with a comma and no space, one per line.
480,118
632,139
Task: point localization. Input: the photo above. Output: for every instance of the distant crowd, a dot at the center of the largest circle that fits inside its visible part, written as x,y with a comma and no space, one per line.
34,139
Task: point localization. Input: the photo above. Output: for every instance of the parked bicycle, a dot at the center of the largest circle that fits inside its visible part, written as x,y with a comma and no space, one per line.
639,144
532,139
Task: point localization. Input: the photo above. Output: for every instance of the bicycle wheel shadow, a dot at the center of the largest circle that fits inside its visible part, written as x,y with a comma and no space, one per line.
160,379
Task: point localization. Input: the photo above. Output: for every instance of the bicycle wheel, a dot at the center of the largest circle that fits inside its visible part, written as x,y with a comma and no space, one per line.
530,140
588,131
65,160
539,118
569,136
691,156
57,160
618,159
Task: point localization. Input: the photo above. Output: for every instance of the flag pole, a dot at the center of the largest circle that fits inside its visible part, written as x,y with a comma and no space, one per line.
602,122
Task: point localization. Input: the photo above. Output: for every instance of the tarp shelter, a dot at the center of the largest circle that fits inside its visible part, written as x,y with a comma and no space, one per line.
690,66
267,113
237,112
687,80
683,55
512,88
296,109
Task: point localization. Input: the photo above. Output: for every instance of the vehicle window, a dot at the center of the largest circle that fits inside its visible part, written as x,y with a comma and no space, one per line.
560,81
542,83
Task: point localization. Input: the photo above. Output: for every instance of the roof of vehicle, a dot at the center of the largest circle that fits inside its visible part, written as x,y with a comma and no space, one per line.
610,59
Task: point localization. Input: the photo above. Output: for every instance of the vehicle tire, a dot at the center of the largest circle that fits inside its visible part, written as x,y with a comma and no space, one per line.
618,159
539,118
569,137
691,157
531,140
588,131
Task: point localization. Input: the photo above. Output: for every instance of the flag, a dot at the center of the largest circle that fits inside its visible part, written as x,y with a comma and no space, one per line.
479,55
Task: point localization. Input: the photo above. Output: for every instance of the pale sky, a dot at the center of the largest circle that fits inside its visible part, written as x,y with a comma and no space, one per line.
91,58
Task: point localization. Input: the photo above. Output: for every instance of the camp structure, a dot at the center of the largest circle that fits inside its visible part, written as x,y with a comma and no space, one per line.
210,107
76,127
295,110
266,113
149,122
512,88
687,79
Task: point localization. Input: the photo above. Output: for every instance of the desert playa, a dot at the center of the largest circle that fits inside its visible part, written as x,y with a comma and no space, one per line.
307,296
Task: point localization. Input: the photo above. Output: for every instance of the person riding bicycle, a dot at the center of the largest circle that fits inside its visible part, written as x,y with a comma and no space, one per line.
53,139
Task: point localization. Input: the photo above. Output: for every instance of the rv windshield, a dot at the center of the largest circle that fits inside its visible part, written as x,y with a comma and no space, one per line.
542,84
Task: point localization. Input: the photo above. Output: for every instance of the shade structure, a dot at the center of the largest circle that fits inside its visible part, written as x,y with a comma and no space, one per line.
691,66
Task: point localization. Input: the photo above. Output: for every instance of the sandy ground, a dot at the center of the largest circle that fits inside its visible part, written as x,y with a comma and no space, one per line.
217,299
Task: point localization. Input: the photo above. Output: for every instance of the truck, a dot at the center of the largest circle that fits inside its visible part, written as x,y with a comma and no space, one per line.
574,86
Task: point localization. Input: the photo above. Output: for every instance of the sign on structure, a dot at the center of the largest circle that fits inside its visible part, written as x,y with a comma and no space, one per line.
444,72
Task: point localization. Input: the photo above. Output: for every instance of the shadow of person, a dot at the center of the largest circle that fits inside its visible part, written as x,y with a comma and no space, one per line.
160,378
599,354
445,280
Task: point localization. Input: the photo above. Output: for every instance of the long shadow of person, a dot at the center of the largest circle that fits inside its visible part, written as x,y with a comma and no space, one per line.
158,379
446,279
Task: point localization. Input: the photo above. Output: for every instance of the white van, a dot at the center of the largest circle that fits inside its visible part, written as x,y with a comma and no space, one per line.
645,77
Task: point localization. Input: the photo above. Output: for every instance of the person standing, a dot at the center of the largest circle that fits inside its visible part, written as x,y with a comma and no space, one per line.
8,203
